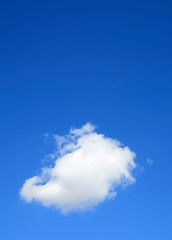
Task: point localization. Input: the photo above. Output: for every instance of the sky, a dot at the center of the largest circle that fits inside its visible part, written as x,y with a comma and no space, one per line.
105,65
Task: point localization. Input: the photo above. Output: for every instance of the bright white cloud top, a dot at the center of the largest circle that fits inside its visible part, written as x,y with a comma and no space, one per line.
88,169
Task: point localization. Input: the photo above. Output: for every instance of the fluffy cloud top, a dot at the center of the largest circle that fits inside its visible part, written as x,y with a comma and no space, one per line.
88,169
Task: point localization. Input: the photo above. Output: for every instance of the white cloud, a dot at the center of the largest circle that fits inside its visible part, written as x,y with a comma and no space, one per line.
88,169
149,161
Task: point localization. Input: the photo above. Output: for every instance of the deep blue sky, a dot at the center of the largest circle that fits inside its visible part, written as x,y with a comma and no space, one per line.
64,63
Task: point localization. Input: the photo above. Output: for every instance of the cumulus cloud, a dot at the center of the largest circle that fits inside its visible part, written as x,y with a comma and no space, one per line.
149,161
88,169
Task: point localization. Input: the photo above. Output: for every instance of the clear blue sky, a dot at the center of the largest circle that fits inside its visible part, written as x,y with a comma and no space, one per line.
64,63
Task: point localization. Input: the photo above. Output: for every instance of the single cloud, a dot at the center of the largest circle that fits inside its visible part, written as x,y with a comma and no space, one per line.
88,169
149,161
